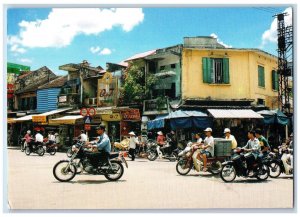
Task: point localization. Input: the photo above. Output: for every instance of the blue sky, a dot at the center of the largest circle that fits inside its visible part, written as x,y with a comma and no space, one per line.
52,37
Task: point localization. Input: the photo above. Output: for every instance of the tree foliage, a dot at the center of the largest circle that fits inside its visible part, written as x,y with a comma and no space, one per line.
136,86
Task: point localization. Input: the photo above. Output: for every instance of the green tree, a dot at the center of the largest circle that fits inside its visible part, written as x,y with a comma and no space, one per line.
136,88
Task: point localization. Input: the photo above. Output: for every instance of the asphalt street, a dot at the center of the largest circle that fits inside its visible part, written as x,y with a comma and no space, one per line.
144,185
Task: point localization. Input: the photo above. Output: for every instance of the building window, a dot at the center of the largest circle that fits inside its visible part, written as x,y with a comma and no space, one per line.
260,101
162,68
173,66
215,70
275,82
261,76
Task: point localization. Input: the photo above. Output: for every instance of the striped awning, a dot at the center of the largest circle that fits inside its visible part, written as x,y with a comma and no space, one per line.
234,113
74,119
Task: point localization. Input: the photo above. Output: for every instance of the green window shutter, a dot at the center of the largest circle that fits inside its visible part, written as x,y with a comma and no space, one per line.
206,69
261,76
276,81
226,78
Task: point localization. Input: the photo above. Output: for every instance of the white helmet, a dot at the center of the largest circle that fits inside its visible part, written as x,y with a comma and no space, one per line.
28,131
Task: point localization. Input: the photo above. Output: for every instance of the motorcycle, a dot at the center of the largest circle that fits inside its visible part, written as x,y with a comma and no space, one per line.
155,151
66,170
237,167
35,148
185,162
22,143
70,151
275,163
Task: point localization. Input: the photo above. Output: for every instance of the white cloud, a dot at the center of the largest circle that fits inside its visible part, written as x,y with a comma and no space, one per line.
219,41
105,51
270,35
95,49
63,24
16,49
24,60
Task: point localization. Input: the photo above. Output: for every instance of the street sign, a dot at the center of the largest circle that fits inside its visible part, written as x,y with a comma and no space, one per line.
92,111
87,127
87,119
84,111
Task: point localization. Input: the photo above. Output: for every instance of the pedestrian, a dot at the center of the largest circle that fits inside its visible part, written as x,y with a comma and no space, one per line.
57,140
228,136
133,141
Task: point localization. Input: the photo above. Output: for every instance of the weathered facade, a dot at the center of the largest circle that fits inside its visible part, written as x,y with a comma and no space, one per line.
81,85
229,76
26,86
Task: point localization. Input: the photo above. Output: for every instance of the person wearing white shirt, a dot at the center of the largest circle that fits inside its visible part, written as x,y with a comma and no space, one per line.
39,137
208,147
228,136
83,136
133,141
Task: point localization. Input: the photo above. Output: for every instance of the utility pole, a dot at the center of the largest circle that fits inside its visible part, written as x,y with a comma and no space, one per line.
285,50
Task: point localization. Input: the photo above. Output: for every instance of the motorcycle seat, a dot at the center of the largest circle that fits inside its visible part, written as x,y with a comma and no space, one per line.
113,154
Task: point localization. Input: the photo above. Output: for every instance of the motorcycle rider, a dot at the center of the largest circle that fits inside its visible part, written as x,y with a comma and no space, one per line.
39,139
228,136
28,138
196,154
264,145
102,148
208,147
253,148
51,138
133,141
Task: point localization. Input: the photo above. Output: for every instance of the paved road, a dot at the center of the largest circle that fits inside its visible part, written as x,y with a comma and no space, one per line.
144,185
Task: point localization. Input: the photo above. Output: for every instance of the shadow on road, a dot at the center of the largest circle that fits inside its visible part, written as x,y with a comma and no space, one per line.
87,182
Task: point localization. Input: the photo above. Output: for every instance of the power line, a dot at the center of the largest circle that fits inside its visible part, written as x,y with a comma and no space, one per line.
262,9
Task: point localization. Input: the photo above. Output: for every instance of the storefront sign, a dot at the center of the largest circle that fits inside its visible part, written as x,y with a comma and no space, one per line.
39,118
131,115
107,91
111,117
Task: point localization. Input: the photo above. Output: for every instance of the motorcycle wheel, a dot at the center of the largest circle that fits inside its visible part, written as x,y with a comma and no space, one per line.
228,173
22,147
275,169
41,151
182,168
216,167
263,172
116,172
70,152
52,151
152,155
27,151
62,173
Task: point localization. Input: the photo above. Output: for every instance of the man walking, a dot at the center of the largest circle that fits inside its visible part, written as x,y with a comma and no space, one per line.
133,141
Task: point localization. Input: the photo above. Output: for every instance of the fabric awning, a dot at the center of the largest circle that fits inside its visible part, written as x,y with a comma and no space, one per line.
165,74
234,113
182,119
274,117
66,120
24,118
43,117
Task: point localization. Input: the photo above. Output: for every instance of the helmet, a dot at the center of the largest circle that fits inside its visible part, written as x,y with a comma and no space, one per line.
28,131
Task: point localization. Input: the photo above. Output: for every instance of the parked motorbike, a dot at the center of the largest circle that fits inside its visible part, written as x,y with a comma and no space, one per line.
185,163
155,151
35,148
66,170
237,167
275,163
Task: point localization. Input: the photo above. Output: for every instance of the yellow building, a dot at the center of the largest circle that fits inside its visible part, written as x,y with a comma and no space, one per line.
229,75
